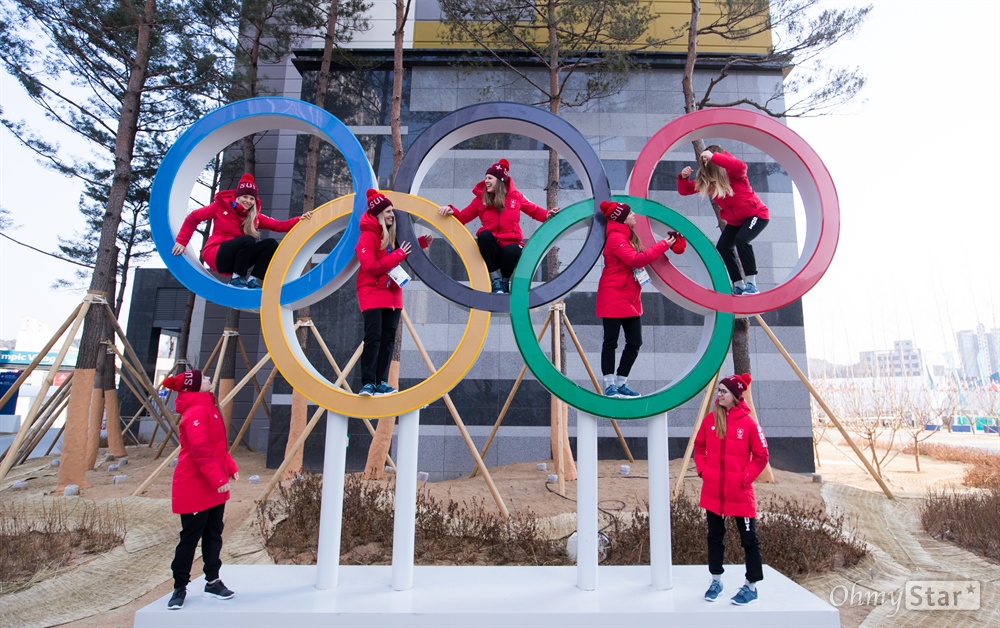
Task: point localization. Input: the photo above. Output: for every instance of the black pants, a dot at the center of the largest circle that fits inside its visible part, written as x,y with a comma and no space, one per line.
740,238
633,340
747,527
380,338
239,255
205,525
502,258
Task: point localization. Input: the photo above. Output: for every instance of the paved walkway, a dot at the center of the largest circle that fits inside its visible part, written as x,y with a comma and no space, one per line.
871,593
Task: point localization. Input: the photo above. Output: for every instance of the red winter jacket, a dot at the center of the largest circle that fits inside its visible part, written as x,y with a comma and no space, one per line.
618,292
227,223
506,224
375,288
729,466
204,463
743,204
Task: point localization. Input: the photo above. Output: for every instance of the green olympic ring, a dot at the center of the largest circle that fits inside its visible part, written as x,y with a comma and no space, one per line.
713,348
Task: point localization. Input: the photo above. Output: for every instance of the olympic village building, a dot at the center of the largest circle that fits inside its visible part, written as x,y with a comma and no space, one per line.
437,82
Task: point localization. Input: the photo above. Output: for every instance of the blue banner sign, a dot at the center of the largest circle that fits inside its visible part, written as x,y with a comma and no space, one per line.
19,358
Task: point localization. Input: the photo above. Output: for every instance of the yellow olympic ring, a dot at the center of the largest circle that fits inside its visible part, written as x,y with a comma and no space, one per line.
278,326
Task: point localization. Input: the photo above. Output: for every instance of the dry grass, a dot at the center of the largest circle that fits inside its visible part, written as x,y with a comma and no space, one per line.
33,544
796,540
453,534
985,465
968,519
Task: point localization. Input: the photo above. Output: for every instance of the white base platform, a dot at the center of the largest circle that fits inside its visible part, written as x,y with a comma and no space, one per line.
488,597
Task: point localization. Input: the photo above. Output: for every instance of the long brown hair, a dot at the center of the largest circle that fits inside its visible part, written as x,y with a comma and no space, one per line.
498,198
720,420
250,222
712,180
388,233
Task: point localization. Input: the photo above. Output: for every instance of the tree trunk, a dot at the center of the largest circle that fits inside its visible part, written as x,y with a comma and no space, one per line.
402,9
72,461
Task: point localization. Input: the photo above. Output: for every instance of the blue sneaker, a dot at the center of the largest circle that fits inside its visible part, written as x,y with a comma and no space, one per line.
625,391
367,390
612,391
737,290
238,282
384,389
506,285
745,596
751,289
496,286
253,284
714,590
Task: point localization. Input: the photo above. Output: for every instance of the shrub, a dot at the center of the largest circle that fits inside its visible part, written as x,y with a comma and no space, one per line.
967,519
445,533
795,539
32,544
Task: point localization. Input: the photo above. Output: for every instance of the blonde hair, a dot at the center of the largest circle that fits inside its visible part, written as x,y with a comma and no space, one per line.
634,241
720,420
713,180
250,222
388,233
498,198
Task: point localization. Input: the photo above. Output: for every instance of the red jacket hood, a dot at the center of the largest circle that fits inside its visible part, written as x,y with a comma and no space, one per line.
370,223
618,227
187,400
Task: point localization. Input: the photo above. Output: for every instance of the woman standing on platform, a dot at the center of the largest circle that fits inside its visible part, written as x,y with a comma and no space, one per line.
200,486
730,451
498,205
234,247
723,178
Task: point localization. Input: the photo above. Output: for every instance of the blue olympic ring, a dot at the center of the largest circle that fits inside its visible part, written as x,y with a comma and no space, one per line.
207,137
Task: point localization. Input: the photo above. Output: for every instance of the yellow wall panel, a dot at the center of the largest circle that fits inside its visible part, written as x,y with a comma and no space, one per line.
671,15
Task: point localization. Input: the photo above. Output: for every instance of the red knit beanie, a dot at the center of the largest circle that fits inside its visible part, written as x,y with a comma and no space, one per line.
246,186
500,170
188,381
737,384
377,202
680,242
617,212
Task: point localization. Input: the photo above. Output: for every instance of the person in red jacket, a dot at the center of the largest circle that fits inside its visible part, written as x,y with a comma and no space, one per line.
234,247
498,205
619,303
201,484
723,178
730,451
380,295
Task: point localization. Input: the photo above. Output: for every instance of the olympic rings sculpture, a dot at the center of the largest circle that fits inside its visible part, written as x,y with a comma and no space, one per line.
279,297
205,139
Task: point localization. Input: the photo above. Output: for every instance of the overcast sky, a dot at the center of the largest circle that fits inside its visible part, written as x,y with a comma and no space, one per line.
913,165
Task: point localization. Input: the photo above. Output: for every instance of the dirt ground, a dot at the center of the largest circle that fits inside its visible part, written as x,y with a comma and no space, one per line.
142,572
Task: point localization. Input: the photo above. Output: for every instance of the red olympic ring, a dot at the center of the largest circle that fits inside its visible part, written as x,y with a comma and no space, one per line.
800,161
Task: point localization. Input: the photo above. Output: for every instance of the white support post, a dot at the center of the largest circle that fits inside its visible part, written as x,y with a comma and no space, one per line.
331,512
404,526
586,501
660,559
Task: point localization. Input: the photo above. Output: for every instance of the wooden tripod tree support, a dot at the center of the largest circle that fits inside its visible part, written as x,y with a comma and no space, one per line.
524,369
829,412
458,420
73,324
47,415
702,411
